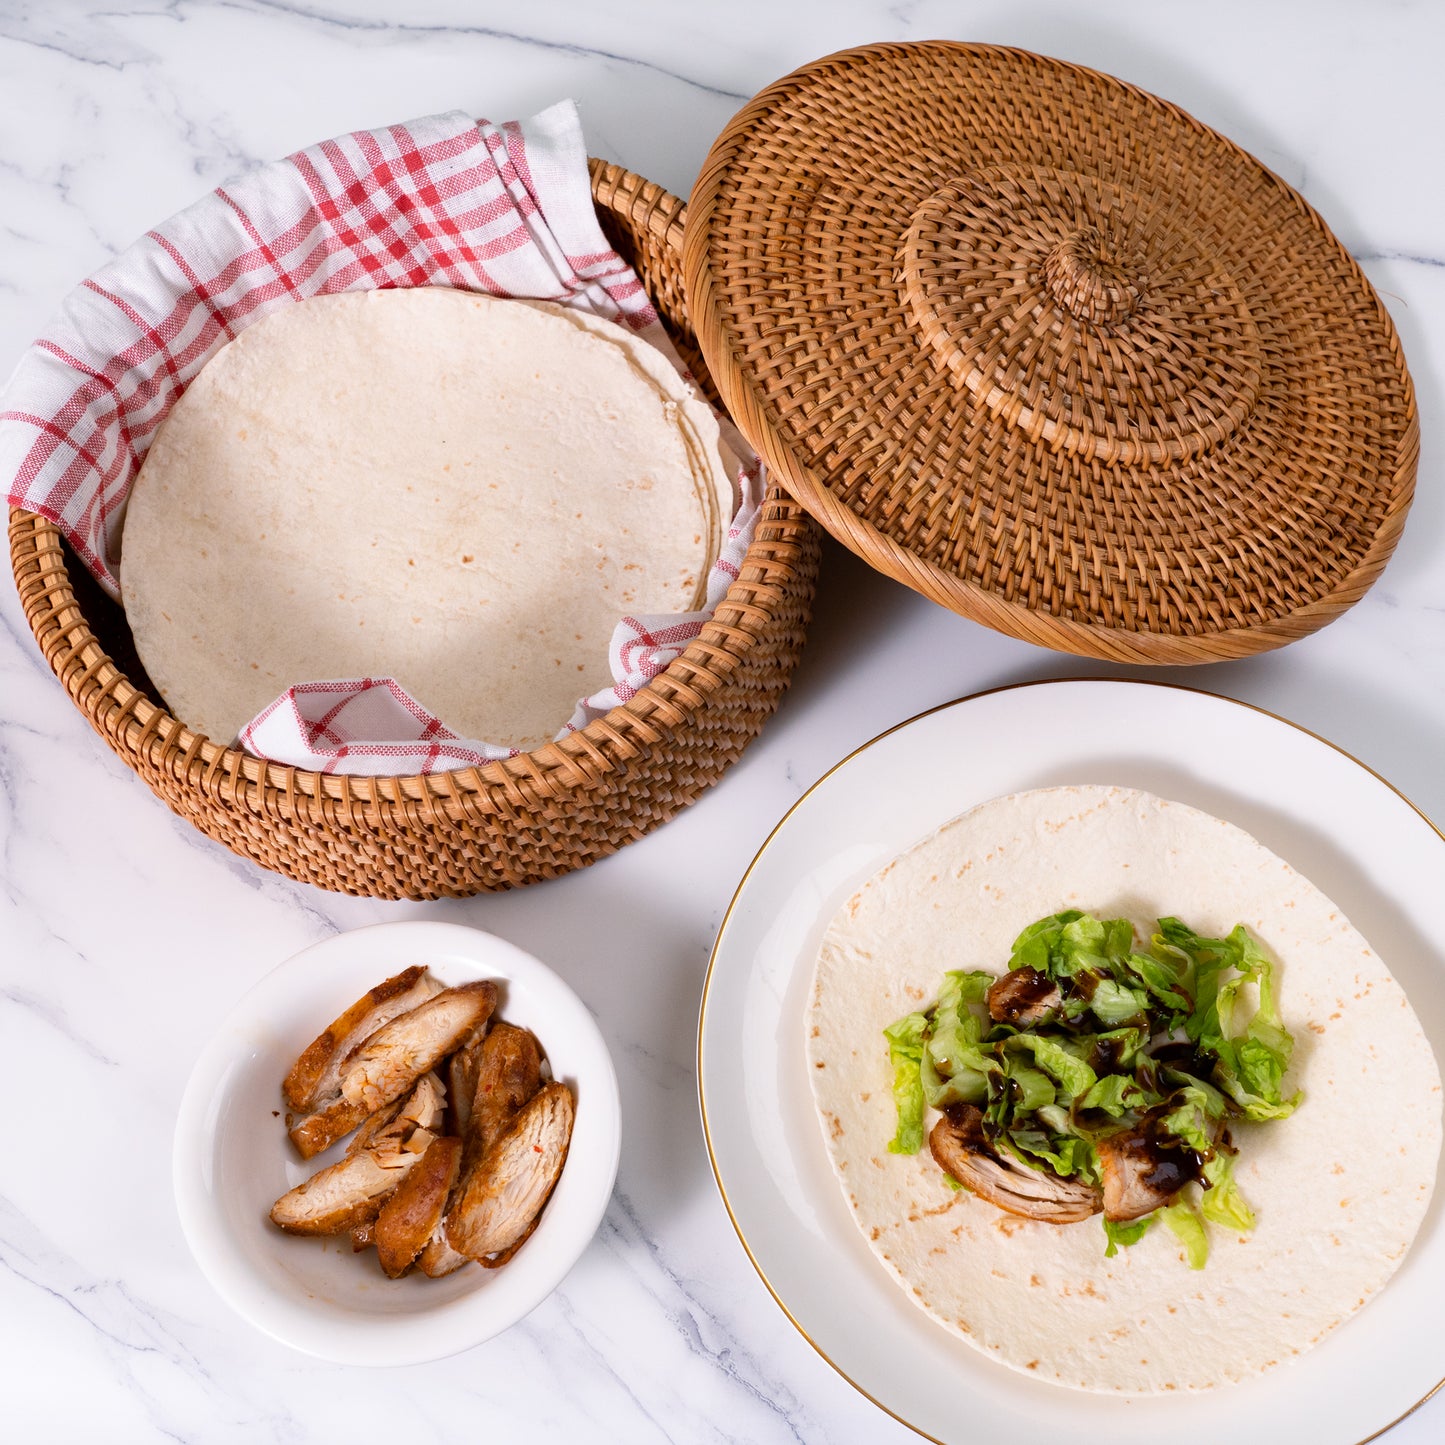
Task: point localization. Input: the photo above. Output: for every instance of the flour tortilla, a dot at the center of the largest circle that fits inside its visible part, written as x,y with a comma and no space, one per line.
1338,1190
460,492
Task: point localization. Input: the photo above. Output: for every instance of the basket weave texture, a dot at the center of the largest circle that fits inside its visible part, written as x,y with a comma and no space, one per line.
1052,352
451,834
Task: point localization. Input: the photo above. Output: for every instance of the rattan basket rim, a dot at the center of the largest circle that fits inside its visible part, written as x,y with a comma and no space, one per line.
749,407
667,698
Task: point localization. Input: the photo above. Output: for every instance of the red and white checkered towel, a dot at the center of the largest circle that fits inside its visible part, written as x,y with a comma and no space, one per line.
500,209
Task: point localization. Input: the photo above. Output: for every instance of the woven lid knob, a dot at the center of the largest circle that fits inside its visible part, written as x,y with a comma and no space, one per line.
1087,280
1082,312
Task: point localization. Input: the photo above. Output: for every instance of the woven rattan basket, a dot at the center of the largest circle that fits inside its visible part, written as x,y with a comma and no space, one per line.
1052,352
448,834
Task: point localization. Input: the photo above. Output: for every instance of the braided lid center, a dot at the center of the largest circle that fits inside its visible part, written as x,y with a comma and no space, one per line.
1089,279
1089,315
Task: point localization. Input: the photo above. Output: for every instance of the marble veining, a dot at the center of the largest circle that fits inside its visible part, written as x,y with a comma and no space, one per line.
125,935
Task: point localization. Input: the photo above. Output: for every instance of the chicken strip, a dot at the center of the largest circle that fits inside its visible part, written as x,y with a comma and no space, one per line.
416,1123
496,1261
342,1195
509,1072
1024,997
439,1258
415,1207
372,1128
507,1189
462,1071
321,1130
1143,1170
396,1055
337,1199
335,1116
316,1076
962,1150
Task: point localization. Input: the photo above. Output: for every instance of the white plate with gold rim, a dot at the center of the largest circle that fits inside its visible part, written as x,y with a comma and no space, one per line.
1338,823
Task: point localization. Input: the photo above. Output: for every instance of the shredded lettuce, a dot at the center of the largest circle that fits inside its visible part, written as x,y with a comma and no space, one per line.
1113,1004
905,1051
1070,1072
1184,1219
1115,1095
1127,1233
1179,1041
1222,1203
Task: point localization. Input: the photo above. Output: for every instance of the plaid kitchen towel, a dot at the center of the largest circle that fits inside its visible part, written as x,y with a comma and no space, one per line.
501,209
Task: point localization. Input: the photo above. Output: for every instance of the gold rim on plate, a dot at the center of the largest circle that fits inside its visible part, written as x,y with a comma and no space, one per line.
778,828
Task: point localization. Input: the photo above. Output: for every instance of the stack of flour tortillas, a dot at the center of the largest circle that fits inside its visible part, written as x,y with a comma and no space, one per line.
463,493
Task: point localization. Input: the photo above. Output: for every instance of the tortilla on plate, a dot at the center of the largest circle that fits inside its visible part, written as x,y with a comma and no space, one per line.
1339,1189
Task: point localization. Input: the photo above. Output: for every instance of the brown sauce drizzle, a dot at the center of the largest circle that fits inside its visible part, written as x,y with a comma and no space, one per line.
1166,1164
1184,1057
1105,1055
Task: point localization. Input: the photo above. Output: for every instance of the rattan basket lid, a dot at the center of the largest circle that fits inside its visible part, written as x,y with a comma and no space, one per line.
1052,352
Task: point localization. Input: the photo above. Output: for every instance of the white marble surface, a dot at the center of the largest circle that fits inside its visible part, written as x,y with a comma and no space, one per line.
124,935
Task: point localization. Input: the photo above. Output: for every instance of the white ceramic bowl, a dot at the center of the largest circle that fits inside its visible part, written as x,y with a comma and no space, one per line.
233,1160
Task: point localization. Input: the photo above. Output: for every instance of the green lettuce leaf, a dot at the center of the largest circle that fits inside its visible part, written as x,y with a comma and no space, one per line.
1188,1228
1165,978
1223,1204
954,1070
1033,1088
1034,947
962,991
1113,1004
1126,1234
1191,1120
1068,1155
905,1052
1116,1094
1053,1056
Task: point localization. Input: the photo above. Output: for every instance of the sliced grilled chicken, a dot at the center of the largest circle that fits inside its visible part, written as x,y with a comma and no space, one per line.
396,1055
1141,1172
409,1217
439,1258
373,1127
462,1070
1024,997
509,1066
342,1195
418,1121
506,1190
496,1261
961,1149
316,1076
350,1193
510,1073
335,1116
363,1236
322,1129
